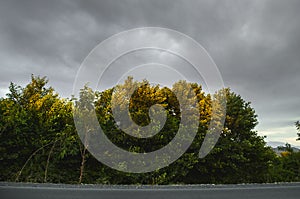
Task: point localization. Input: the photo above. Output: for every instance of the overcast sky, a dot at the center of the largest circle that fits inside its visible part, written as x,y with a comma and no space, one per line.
255,44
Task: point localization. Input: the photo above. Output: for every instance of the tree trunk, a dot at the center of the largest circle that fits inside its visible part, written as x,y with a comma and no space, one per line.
82,164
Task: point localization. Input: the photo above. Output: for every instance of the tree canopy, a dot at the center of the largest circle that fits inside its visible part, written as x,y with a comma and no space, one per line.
39,141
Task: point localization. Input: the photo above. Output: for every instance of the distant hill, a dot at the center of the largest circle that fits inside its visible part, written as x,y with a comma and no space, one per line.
274,145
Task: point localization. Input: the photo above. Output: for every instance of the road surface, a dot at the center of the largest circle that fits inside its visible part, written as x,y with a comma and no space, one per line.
59,191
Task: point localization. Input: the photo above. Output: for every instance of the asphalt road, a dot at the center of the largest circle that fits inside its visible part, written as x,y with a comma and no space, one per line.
55,191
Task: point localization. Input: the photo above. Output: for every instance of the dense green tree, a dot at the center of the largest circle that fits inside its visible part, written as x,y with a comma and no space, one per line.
39,141
37,132
240,154
141,100
287,166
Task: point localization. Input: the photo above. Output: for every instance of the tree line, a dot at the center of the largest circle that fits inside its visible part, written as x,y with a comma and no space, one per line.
39,141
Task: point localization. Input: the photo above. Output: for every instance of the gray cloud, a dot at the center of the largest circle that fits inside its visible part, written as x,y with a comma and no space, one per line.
256,44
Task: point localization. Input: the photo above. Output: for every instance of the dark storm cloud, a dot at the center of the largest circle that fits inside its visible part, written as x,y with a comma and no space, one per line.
262,63
255,44
46,39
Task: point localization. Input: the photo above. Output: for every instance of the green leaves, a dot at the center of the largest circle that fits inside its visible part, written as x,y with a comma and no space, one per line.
39,142
32,119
